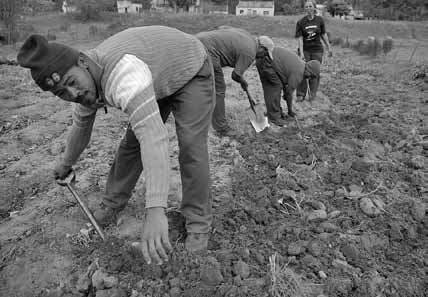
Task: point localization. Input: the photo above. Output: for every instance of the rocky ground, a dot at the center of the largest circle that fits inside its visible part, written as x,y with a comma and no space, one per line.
334,204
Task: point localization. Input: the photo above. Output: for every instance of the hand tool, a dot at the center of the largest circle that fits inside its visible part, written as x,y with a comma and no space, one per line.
68,182
257,116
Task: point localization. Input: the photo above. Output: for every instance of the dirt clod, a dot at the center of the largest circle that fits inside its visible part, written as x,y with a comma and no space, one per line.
240,268
296,248
317,215
211,273
83,283
350,252
322,274
114,292
101,280
368,207
418,210
175,292
329,227
315,248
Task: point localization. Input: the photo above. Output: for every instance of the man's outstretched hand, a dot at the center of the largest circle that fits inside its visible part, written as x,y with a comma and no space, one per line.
61,171
155,243
244,85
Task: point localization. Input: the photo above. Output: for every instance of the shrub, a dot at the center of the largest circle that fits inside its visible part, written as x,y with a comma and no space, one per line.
387,45
360,46
51,35
91,9
374,46
93,31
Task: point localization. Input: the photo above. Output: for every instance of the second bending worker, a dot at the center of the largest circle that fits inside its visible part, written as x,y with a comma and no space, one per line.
228,47
285,71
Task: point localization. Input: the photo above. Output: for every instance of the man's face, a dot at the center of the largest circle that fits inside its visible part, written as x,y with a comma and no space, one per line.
77,85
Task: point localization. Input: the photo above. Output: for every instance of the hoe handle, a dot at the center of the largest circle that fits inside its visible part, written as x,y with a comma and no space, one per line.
251,100
68,182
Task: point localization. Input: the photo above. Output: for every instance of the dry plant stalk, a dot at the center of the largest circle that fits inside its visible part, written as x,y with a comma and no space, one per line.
284,281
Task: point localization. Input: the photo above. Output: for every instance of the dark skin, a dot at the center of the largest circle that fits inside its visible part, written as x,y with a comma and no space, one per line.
78,85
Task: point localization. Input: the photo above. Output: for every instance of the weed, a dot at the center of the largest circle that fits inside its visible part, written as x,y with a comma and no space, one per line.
387,45
284,281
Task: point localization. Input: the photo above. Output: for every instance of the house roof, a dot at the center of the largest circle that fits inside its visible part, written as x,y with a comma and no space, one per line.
255,4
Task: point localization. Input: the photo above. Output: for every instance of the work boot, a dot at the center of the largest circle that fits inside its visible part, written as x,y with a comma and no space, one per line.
279,122
105,215
225,132
291,114
196,242
287,116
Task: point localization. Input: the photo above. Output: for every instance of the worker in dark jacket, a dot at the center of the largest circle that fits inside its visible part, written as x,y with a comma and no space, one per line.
285,72
147,72
229,47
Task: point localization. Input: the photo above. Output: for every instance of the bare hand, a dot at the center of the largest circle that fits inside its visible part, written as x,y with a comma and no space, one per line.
244,85
61,171
155,242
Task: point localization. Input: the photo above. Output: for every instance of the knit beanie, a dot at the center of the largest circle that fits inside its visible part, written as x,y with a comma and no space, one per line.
48,61
267,43
312,68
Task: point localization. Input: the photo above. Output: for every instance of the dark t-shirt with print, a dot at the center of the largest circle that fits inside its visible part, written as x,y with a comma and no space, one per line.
311,31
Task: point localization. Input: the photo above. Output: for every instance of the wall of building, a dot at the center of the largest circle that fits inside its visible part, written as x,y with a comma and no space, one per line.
129,7
255,11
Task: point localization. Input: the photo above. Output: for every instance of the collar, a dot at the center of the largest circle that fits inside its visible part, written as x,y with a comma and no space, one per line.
96,71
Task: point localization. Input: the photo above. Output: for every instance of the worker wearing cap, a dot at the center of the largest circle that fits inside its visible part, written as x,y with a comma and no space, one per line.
283,71
147,72
228,47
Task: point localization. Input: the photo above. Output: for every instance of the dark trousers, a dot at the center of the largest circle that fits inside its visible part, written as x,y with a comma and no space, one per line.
219,121
272,88
313,82
192,107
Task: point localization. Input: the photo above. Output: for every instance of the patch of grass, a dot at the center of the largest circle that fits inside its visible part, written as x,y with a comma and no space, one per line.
284,281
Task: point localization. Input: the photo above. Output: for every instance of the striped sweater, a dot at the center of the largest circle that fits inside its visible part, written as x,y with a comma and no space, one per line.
140,66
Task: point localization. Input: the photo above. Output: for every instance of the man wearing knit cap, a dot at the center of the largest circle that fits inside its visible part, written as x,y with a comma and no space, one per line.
147,72
284,71
230,47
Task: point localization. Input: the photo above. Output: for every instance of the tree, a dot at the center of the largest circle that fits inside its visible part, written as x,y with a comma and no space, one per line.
9,10
147,4
338,7
185,4
91,9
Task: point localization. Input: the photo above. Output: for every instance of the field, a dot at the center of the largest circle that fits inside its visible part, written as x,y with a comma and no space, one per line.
332,205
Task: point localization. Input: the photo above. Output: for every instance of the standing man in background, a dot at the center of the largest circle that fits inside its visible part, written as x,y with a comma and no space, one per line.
310,30
229,47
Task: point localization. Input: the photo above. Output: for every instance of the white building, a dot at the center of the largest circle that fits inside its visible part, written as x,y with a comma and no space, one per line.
266,8
127,6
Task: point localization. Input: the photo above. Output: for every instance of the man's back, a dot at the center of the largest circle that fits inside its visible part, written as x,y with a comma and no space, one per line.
289,66
233,47
173,57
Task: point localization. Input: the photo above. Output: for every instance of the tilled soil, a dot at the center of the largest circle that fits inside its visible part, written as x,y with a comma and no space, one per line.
334,204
